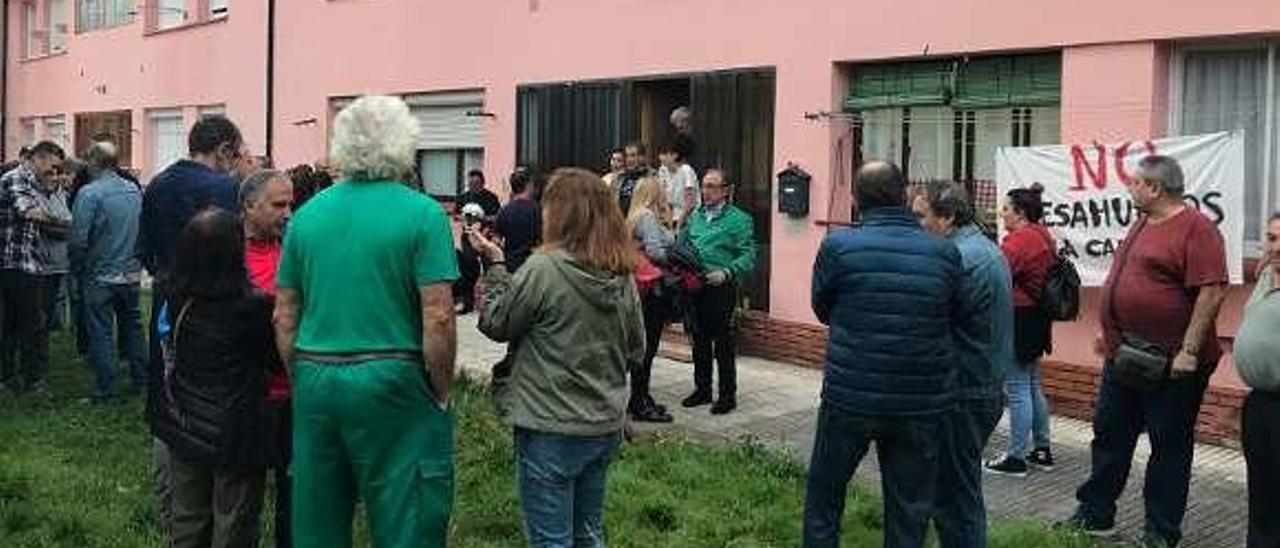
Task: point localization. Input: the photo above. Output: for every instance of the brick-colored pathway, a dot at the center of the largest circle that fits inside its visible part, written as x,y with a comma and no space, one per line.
777,404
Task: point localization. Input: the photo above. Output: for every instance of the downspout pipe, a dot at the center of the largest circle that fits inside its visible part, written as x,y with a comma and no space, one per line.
271,77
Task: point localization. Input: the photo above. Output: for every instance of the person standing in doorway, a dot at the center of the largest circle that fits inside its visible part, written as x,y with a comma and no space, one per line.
617,166
679,181
637,159
983,340
1257,356
1030,252
266,199
22,262
1160,345
104,240
372,369
724,236
891,294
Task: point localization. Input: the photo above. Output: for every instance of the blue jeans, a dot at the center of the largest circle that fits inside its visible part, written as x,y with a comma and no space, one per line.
1028,410
908,449
112,309
562,486
960,512
1168,414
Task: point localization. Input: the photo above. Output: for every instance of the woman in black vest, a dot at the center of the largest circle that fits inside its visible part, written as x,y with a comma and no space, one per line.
214,418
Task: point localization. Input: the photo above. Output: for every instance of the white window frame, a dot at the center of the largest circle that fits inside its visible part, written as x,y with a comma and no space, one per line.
170,14
62,138
154,116
94,15
58,32
33,46
1253,246
219,9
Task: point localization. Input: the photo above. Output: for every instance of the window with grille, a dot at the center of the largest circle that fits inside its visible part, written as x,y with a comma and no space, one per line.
103,14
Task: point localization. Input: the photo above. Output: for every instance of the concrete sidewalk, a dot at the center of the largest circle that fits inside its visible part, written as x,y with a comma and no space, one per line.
777,403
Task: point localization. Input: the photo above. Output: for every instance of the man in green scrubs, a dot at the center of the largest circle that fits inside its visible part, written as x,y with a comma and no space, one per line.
365,317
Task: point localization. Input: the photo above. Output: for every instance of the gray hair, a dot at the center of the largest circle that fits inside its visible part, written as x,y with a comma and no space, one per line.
375,139
949,200
1165,171
681,113
253,186
102,156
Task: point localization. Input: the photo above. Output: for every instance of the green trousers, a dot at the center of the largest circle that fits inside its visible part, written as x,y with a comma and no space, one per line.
369,431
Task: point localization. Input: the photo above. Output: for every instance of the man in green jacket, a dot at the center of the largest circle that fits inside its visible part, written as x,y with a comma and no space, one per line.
724,236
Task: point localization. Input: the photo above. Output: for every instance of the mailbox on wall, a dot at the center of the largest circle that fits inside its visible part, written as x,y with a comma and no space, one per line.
793,191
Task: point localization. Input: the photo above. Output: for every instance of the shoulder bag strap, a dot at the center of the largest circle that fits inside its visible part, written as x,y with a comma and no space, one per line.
1121,261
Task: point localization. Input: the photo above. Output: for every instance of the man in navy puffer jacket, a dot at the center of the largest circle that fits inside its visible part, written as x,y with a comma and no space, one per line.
890,293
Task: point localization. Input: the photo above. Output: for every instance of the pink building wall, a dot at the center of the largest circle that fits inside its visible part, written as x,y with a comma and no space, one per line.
1115,70
125,68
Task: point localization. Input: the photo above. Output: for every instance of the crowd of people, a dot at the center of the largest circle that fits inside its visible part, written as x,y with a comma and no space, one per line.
316,345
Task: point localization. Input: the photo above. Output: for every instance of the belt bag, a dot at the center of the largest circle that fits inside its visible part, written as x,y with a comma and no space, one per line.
1139,363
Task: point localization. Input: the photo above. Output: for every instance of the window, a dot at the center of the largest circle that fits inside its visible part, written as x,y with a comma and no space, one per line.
218,8
31,29
101,14
943,120
167,138
211,110
28,132
57,25
1235,88
55,129
170,13
443,172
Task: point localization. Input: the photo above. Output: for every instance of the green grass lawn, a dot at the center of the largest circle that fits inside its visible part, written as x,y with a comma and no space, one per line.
72,475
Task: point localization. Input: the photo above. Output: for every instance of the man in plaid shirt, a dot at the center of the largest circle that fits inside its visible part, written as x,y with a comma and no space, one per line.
21,262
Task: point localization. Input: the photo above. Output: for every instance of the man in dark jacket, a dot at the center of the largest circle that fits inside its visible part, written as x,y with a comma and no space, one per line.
890,293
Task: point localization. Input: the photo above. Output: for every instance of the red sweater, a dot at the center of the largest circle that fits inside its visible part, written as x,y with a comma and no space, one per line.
1031,254
262,260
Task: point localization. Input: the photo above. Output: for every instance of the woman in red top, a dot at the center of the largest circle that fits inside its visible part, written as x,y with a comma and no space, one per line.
1030,251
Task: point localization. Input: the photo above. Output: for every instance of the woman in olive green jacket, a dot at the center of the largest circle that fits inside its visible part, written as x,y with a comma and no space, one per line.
573,318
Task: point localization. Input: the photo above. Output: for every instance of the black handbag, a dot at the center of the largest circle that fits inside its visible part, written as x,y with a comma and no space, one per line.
1138,363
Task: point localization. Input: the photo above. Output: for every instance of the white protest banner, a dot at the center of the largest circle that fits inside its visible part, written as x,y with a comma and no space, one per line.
1087,204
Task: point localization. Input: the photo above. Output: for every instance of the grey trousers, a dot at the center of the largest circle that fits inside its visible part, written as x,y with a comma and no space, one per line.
213,508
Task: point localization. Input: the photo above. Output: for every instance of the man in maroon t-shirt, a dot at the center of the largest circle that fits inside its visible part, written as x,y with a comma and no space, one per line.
266,198
1166,284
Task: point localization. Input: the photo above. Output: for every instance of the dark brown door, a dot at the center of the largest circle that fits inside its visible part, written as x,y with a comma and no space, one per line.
116,126
733,129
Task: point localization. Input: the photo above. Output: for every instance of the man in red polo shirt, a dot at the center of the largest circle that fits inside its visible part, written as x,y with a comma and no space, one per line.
266,198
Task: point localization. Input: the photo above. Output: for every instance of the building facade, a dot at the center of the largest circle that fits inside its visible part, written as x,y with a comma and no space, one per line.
821,84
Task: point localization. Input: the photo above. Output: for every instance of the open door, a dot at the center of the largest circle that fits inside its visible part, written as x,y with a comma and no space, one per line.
733,129
571,124
115,126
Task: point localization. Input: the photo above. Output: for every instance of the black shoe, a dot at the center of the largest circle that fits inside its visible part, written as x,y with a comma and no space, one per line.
724,406
1041,458
661,408
651,414
697,399
1007,466
1091,527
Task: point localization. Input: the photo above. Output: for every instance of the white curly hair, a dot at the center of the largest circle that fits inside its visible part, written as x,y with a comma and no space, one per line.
375,139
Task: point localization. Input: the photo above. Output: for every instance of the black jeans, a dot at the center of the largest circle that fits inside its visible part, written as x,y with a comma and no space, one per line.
1168,414
24,342
657,313
1261,438
710,324
464,290
908,449
282,415
960,512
